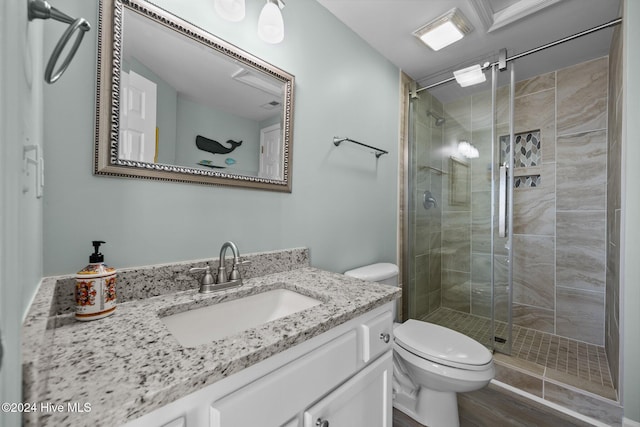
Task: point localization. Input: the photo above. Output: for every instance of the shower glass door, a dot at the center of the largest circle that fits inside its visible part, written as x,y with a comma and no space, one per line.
458,203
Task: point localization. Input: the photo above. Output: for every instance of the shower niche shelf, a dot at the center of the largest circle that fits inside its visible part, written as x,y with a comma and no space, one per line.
527,149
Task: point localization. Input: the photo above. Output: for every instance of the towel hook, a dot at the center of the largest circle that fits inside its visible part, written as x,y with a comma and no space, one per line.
41,9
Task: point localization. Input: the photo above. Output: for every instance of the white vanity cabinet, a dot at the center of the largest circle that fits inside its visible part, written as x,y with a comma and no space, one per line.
339,378
363,401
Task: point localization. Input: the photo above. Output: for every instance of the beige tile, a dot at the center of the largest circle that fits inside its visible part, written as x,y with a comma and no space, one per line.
421,268
534,270
482,115
591,406
581,171
456,290
536,84
481,222
501,288
582,384
534,209
581,250
435,300
582,97
456,241
519,379
537,111
531,368
481,284
580,315
531,317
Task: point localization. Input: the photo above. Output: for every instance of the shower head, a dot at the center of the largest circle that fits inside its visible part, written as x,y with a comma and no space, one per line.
439,120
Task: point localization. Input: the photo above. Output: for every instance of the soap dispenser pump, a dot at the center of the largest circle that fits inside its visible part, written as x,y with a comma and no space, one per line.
95,288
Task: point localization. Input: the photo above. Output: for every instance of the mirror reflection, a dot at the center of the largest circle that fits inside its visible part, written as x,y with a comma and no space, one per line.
193,105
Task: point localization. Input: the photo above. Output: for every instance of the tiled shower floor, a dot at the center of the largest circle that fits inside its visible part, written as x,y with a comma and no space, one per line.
586,363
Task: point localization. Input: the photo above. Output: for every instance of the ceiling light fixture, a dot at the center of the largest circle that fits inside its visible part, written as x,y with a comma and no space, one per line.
444,30
468,150
470,76
270,23
231,10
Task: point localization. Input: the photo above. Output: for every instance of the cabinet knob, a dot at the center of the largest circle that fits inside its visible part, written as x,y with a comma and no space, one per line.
322,423
385,337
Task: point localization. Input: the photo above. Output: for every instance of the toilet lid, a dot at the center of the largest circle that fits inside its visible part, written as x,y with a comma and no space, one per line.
442,345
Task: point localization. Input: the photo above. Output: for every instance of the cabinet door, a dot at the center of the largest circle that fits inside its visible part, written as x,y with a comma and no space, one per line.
363,401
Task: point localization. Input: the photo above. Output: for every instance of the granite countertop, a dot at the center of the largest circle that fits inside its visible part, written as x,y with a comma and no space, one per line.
129,364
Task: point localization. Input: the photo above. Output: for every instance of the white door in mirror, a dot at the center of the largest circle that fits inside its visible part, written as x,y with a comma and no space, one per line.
270,152
138,97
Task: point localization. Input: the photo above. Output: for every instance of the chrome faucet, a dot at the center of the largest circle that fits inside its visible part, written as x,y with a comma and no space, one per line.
222,271
222,281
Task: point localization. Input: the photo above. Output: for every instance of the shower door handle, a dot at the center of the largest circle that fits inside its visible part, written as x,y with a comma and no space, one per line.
502,202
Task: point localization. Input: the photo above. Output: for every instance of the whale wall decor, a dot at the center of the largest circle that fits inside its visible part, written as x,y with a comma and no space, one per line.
215,147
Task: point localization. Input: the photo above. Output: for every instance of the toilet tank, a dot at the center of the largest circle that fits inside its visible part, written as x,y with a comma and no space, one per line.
382,272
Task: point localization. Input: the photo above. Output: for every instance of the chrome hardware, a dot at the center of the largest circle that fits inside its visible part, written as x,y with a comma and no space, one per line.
502,202
322,423
222,270
40,9
207,282
337,140
385,337
221,281
428,201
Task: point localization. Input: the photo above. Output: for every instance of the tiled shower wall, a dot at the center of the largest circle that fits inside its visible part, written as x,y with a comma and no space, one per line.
559,224
614,161
425,224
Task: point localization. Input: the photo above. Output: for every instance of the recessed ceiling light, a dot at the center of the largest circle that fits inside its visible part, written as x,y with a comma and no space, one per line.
470,76
444,30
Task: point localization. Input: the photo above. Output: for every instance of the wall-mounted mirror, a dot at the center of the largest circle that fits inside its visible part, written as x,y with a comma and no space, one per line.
179,104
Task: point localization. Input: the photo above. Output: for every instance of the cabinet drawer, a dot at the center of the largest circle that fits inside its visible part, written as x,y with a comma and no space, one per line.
275,398
377,336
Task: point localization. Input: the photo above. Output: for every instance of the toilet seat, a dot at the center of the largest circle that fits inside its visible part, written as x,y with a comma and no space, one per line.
442,345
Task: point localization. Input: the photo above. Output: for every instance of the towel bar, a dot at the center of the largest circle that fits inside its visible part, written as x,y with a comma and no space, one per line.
40,9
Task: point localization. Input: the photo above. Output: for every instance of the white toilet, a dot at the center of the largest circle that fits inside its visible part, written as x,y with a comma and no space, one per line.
431,363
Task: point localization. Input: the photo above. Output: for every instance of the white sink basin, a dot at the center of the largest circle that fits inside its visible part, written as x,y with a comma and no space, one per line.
217,321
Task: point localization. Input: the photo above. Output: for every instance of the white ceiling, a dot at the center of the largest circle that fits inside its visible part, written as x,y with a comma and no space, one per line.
517,25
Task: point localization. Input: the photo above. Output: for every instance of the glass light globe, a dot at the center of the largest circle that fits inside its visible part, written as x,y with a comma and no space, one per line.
231,10
270,24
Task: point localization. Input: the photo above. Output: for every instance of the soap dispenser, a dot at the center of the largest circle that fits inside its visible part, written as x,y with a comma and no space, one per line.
95,288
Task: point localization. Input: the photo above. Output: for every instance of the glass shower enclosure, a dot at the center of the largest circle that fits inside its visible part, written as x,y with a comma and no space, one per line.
459,202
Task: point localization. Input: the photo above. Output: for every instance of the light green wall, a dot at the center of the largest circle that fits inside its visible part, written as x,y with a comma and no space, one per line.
631,212
195,119
344,201
21,71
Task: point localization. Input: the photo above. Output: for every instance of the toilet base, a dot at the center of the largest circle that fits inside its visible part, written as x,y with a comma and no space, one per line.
429,407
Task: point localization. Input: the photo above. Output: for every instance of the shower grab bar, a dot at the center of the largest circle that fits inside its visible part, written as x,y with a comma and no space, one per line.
40,9
436,170
379,152
502,202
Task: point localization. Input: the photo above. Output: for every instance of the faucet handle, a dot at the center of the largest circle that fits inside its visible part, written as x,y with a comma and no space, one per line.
207,279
